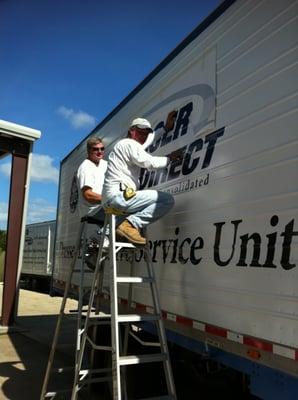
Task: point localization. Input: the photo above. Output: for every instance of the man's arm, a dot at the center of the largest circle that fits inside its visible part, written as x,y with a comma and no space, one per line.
90,196
149,140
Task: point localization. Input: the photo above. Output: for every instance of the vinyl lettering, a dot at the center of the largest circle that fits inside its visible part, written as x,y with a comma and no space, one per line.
271,244
194,247
286,246
180,256
174,169
183,120
218,234
211,139
256,238
188,167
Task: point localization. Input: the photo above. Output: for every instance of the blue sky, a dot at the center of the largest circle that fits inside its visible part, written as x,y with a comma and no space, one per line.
65,65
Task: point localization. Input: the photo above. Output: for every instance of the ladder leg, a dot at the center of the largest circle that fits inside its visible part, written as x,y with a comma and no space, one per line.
80,305
99,286
160,326
61,313
83,332
129,300
114,314
126,335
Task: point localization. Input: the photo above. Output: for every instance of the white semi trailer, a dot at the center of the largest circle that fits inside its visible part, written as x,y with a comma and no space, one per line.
226,256
38,254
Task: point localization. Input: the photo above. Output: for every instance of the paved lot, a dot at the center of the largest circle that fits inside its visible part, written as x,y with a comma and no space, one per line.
25,348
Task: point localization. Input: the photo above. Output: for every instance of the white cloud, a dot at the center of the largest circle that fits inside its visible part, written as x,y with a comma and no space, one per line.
40,210
42,169
78,119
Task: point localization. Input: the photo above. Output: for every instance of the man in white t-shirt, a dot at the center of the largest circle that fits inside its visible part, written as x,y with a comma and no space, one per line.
120,190
90,177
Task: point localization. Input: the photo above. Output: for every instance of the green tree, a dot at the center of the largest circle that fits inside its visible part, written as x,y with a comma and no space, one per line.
2,240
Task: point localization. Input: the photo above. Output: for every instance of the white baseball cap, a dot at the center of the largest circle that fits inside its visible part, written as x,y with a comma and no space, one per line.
141,123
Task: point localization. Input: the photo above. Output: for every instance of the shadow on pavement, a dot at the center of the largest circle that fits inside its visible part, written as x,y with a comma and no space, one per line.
24,356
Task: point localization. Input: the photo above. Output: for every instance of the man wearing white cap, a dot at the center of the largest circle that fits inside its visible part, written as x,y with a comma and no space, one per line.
120,190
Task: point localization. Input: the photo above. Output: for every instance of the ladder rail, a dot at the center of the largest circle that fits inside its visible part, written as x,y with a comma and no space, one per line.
84,331
129,301
97,310
114,313
80,302
61,314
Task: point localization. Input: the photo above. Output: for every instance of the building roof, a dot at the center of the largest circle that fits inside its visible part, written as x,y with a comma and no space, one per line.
10,129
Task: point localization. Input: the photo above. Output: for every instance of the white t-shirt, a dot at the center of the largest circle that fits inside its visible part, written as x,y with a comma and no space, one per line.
91,175
124,166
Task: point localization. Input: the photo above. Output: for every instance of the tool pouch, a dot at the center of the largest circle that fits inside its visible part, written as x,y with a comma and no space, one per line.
129,193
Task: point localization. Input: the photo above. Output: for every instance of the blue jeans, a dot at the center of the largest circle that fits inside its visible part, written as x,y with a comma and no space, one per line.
145,207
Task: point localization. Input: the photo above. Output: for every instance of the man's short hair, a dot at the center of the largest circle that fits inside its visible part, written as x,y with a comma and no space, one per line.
92,141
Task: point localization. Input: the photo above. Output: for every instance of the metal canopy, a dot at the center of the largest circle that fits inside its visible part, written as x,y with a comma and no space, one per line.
16,140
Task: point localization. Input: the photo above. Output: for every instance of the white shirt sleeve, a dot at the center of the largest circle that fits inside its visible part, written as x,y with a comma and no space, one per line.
144,160
152,136
84,177
149,140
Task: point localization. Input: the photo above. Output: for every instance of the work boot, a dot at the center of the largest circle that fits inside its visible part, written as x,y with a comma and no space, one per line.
128,231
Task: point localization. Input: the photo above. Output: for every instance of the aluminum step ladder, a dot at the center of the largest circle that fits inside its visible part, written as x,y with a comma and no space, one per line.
80,245
93,316
119,347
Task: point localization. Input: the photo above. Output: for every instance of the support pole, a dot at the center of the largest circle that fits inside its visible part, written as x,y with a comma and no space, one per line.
14,231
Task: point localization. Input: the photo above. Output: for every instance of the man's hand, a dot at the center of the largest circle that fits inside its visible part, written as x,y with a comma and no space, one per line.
176,155
171,118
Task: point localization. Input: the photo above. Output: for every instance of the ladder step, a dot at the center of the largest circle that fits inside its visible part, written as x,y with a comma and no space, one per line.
134,279
97,316
76,311
86,372
95,380
127,245
142,359
87,376
137,317
105,319
53,394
